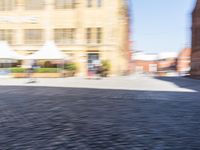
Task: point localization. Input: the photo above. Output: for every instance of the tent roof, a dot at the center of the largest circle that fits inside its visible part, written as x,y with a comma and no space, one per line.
47,52
7,53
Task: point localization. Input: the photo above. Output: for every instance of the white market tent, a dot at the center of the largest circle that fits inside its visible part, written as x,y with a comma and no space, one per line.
48,52
6,53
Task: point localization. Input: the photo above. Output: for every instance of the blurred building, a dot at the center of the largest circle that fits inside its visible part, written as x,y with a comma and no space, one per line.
167,63
184,61
144,63
195,56
87,31
161,64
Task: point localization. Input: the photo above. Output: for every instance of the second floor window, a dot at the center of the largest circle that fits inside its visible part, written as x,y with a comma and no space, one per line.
94,35
7,5
99,3
33,36
64,36
99,35
34,4
90,3
7,35
89,35
65,4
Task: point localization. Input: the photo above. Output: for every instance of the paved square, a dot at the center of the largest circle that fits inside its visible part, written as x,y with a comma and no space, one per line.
119,114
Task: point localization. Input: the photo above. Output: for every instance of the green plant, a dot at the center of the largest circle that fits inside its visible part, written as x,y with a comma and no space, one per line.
17,70
71,67
47,70
48,64
105,68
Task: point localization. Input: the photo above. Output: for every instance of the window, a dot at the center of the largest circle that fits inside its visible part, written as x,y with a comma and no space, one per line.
34,4
94,35
65,4
89,3
64,36
33,36
99,3
7,35
153,68
6,5
99,35
93,60
88,34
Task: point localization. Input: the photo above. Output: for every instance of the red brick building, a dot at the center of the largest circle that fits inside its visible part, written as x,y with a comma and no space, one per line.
195,56
161,64
184,61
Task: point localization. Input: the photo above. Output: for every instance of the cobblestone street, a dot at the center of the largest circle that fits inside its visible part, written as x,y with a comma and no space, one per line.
115,114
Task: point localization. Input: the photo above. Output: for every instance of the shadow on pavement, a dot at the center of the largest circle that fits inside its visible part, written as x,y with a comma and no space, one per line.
183,82
97,119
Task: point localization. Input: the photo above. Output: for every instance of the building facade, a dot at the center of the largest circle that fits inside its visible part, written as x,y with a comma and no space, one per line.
159,64
195,55
87,31
184,61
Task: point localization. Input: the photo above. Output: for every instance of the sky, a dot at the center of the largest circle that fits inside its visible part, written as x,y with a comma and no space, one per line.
161,25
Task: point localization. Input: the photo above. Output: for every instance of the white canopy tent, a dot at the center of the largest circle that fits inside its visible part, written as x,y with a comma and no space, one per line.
48,52
7,54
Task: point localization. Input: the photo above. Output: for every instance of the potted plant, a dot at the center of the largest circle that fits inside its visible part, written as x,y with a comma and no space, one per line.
18,72
105,68
70,69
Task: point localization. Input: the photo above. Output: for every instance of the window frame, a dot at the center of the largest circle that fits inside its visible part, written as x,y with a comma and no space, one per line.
99,3
71,4
5,4
7,35
94,35
66,36
37,40
99,32
89,3
29,7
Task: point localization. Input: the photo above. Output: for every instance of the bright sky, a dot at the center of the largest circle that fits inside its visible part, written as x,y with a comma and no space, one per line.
161,25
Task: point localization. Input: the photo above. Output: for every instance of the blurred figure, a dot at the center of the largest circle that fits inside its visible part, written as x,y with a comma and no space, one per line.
98,72
30,69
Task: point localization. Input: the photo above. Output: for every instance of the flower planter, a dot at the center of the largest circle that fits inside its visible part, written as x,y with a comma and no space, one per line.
37,75
19,75
69,74
47,75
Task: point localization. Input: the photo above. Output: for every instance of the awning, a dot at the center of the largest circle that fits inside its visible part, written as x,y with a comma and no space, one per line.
7,53
48,52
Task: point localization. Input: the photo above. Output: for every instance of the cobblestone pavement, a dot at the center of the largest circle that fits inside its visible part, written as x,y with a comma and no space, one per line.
66,118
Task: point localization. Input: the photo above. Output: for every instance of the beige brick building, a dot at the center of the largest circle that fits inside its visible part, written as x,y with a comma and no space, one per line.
85,30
